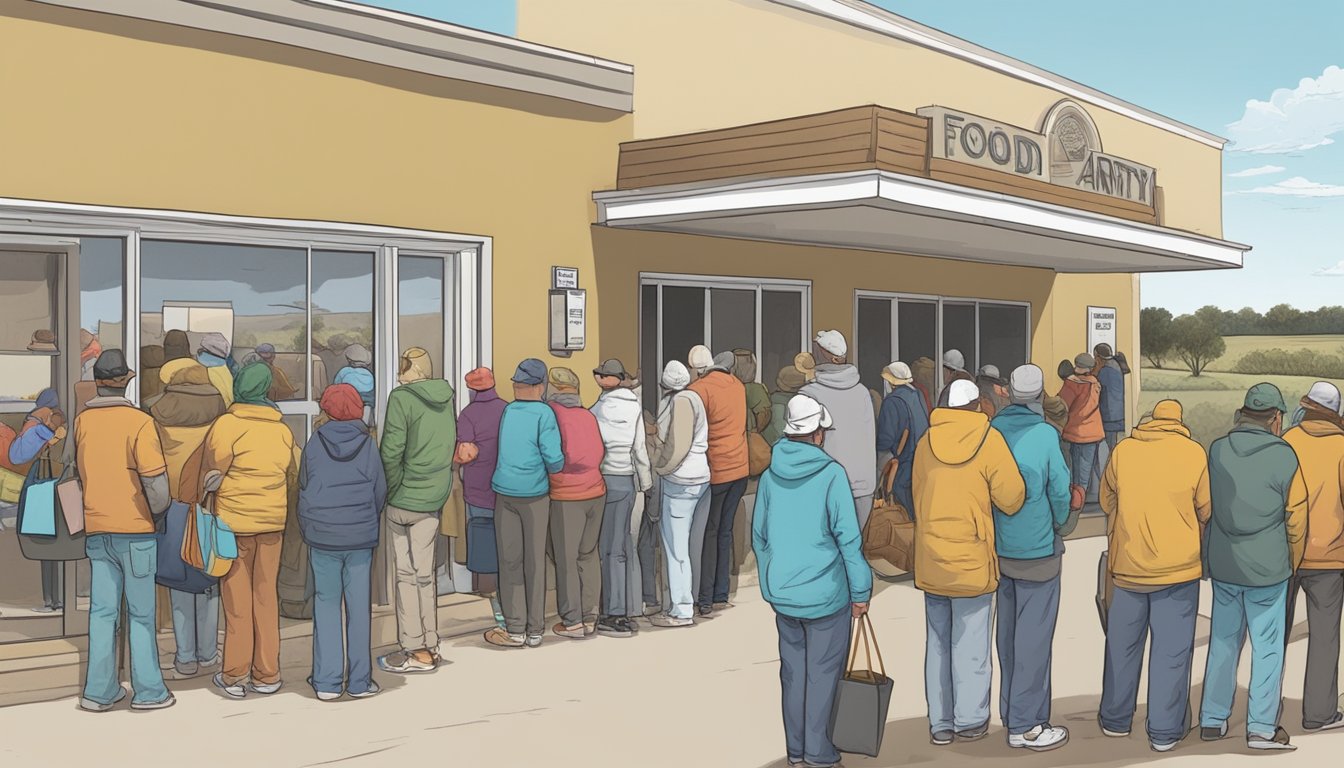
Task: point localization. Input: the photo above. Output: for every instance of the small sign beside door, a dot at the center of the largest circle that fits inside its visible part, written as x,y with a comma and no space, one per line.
1100,327
568,320
564,277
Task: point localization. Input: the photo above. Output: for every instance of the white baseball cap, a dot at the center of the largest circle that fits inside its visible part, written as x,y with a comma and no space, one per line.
1326,394
833,342
804,416
700,358
953,359
897,373
962,392
675,376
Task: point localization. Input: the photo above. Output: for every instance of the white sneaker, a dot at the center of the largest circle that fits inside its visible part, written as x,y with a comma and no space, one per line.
663,620
236,690
1042,738
1162,747
266,689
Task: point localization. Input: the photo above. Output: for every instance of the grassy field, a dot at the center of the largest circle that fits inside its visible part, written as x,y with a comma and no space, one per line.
1210,400
1238,346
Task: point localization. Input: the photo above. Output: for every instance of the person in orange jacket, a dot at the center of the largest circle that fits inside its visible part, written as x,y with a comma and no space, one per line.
1083,432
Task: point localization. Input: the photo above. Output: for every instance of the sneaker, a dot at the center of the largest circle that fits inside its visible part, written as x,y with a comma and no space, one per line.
614,627
235,690
723,606
497,637
1162,747
1279,741
663,620
1208,733
941,738
1114,734
89,705
576,632
631,624
973,734
1042,738
706,610
590,627
652,609
266,689
208,664
190,669
372,690
403,663
323,695
533,641
143,706
1337,722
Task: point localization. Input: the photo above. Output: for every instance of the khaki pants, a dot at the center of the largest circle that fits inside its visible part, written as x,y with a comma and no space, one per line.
413,536
252,611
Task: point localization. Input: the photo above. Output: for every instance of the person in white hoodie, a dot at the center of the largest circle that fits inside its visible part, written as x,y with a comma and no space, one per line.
626,471
853,440
683,465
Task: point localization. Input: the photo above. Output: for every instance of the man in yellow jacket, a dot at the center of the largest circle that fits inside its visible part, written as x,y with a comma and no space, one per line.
963,471
1155,493
1318,442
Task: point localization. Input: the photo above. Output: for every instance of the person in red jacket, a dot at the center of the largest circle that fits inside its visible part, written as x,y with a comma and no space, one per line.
1083,432
578,495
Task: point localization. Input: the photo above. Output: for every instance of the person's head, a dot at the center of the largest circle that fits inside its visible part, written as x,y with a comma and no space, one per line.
611,374
183,373
954,362
47,398
563,381
897,374
151,356
789,379
1168,410
806,365
830,347
744,365
723,362
481,380
529,380
700,360
341,402
416,365
990,374
1103,351
1083,364
1325,395
251,384
806,420
176,345
676,377
1026,384
111,374
1264,407
963,395
215,345
266,352
358,356
1065,369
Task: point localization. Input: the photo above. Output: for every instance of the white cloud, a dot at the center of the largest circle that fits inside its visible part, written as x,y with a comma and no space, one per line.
1262,170
1300,187
1293,119
1335,271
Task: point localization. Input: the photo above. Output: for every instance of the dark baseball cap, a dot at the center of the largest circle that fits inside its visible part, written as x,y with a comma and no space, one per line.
110,365
530,372
612,367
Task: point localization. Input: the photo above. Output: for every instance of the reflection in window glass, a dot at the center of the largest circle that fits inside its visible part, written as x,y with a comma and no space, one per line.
420,302
342,316
1003,336
683,321
732,320
253,295
874,342
916,338
102,296
781,332
959,331
28,305
650,371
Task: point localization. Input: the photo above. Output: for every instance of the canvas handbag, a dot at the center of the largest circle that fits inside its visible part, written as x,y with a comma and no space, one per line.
43,531
863,697
208,544
758,454
173,571
890,532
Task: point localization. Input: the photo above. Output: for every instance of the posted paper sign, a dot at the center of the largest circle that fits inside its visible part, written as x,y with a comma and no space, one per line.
1100,327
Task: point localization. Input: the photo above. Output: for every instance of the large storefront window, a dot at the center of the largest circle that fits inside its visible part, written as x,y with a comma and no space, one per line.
678,312
102,297
343,285
421,286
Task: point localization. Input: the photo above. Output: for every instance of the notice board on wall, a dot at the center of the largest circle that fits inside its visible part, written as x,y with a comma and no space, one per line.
1100,327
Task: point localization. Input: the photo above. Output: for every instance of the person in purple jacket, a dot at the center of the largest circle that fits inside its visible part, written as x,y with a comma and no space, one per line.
477,452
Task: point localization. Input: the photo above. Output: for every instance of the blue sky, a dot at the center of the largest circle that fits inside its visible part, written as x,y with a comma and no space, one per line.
1267,77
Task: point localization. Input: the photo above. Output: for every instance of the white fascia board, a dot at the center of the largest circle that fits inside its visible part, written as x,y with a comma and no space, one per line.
865,16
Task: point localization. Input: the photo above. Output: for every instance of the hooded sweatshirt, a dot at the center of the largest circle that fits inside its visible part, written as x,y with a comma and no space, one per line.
853,441
904,415
1082,396
683,430
805,534
189,406
962,467
255,451
581,442
479,425
1155,493
1319,445
418,441
725,401
1259,523
342,488
1112,381
621,419
1031,533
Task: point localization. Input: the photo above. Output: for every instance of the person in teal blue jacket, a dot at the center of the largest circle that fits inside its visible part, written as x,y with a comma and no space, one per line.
805,533
1030,549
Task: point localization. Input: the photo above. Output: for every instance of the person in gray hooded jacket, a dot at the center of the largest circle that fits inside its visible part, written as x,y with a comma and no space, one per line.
853,442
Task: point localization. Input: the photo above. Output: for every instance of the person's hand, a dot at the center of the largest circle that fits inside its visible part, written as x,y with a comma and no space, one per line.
858,609
650,510
57,436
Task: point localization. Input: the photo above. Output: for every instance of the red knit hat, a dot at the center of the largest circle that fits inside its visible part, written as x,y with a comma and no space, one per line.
481,380
342,403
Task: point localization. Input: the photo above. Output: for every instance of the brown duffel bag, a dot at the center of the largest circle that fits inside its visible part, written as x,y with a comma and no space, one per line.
890,532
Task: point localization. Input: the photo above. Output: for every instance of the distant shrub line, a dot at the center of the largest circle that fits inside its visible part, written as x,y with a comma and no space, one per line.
1300,362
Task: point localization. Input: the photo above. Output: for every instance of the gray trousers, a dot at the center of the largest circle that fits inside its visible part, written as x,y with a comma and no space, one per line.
1325,599
1170,616
812,655
617,545
575,526
520,537
1028,611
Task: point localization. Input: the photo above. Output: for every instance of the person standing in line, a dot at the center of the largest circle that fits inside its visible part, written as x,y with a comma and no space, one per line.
578,496
806,538
954,369
1318,441
787,383
43,427
993,390
281,389
683,465
418,442
650,537
626,473
854,440
1155,493
183,417
477,454
214,355
1081,393
530,450
1256,542
358,373
1030,550
725,401
903,420
964,471
1112,379
254,451
124,477
342,489
758,397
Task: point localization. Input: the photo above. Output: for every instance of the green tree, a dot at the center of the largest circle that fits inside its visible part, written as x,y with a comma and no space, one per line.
1155,334
1197,342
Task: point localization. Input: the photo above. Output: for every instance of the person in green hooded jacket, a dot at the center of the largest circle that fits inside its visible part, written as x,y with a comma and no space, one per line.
1256,539
418,441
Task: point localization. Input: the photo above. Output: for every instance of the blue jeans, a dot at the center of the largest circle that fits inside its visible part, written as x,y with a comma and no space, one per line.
122,565
1169,615
615,546
341,577
679,505
812,655
1028,611
957,665
195,626
716,564
1237,610
1083,459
